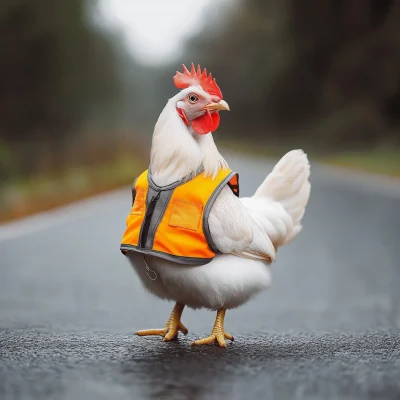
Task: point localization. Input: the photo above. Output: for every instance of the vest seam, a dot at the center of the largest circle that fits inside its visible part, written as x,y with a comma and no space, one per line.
207,210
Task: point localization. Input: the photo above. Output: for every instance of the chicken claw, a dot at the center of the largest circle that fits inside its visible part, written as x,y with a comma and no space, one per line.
218,334
172,327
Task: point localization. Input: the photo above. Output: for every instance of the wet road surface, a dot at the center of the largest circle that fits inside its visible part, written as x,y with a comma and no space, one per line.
328,328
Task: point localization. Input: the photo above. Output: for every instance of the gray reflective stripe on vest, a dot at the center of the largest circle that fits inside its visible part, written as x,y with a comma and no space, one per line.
146,239
148,197
158,213
207,210
166,256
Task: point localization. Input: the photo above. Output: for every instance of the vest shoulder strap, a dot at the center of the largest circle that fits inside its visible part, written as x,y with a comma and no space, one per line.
232,180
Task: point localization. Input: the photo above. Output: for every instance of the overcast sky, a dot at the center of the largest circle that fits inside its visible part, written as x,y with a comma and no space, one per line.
155,29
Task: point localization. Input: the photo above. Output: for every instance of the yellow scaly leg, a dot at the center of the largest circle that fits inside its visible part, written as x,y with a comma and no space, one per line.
172,327
218,334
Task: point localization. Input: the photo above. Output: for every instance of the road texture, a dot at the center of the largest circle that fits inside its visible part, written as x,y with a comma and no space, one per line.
327,329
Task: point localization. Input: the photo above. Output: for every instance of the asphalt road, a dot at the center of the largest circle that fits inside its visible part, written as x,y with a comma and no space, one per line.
327,329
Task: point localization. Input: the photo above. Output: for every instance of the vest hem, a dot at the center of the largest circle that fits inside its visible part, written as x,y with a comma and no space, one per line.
169,257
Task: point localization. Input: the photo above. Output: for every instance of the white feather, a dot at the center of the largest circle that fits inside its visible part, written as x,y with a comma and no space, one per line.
227,281
250,228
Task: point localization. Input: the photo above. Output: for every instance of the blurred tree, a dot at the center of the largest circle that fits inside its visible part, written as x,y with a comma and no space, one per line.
323,70
55,69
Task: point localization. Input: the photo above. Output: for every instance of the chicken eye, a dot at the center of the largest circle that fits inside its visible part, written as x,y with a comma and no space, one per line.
192,98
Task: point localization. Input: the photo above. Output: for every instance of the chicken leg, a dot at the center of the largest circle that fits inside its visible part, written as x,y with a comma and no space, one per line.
218,334
172,327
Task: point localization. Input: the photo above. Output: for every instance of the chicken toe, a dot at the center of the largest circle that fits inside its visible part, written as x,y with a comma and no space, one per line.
218,334
172,327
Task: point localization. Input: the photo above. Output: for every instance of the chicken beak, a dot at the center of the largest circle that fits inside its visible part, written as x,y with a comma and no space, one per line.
222,105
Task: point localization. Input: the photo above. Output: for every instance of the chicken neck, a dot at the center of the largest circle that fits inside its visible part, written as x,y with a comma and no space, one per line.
178,152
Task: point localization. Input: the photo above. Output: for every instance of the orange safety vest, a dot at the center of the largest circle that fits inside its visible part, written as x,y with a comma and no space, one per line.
171,222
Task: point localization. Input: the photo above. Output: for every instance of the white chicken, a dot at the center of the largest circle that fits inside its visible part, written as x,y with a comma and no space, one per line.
247,231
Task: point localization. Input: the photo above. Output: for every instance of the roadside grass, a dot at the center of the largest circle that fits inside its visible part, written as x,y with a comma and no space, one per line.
29,196
385,161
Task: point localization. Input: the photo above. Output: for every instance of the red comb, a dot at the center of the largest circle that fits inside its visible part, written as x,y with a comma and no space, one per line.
193,77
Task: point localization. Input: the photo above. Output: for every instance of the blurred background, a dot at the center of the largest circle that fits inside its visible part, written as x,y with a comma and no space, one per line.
82,83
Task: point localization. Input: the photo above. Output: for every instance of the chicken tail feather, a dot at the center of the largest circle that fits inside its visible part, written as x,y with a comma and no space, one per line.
288,184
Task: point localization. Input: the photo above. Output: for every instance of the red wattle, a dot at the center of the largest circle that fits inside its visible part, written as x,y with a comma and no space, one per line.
207,123
182,114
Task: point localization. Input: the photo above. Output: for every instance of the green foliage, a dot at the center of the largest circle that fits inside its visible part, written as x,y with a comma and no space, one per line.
307,70
381,161
57,70
31,195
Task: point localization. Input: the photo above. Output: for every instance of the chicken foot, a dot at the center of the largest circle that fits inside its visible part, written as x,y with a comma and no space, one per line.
172,327
218,334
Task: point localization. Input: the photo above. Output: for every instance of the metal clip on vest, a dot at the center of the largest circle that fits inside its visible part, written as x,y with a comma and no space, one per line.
149,270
